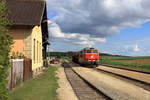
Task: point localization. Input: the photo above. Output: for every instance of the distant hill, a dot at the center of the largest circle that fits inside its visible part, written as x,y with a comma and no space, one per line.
60,54
69,54
106,54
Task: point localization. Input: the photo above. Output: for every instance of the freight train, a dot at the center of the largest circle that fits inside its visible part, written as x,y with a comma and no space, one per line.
87,56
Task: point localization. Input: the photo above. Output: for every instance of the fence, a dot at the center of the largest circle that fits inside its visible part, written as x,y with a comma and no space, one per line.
20,71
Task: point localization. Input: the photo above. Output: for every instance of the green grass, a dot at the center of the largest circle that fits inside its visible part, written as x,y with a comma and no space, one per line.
131,58
41,88
133,66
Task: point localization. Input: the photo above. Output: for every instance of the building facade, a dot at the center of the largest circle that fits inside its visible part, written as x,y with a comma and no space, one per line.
29,29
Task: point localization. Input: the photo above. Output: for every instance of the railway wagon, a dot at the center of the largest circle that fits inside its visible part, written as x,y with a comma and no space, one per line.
87,56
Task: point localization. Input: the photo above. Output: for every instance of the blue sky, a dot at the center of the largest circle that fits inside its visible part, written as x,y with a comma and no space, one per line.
125,42
115,27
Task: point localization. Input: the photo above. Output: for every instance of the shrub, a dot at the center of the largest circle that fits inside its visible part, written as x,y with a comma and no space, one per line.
18,55
5,42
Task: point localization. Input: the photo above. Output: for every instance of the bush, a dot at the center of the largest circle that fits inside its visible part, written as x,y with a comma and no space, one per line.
5,42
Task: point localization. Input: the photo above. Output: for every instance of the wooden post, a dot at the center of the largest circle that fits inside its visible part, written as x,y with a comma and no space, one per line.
11,79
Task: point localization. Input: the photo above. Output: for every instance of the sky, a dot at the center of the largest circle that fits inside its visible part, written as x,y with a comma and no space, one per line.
120,27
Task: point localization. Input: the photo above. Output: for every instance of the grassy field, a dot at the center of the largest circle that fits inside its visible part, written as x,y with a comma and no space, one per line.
41,88
131,58
135,63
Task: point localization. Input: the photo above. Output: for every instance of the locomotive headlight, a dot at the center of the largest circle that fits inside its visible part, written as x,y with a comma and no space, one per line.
92,56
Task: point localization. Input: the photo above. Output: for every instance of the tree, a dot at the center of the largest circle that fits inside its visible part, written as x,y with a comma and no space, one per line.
59,55
5,43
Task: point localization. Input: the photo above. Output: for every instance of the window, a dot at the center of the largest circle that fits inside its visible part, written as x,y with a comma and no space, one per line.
95,51
40,53
88,51
34,51
37,51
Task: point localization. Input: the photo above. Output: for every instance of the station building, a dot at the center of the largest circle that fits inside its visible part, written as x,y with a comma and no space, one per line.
29,29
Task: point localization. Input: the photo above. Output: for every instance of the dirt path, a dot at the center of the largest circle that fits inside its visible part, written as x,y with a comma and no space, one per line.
113,87
135,75
65,91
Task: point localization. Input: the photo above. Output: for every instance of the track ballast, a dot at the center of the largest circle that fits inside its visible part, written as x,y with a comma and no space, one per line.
82,89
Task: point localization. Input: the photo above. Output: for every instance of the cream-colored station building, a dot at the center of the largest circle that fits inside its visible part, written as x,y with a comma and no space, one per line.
29,29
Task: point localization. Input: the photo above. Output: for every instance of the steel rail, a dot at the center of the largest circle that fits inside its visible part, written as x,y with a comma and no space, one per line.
82,88
136,82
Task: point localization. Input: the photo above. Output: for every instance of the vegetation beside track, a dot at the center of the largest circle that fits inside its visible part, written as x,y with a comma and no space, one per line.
41,88
5,47
123,62
131,58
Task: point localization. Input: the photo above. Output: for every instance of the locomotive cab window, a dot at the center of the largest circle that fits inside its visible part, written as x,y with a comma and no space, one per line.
95,51
88,51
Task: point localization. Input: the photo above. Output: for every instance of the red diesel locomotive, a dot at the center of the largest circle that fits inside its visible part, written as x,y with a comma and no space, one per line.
87,56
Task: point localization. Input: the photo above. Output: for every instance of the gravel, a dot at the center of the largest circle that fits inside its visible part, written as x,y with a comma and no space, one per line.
113,87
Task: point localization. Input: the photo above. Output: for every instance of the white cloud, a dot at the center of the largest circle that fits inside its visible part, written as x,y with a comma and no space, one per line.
136,48
131,48
90,22
99,18
73,38
50,50
105,52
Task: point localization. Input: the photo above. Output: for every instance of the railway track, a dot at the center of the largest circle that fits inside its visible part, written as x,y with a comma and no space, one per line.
108,86
83,89
137,82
